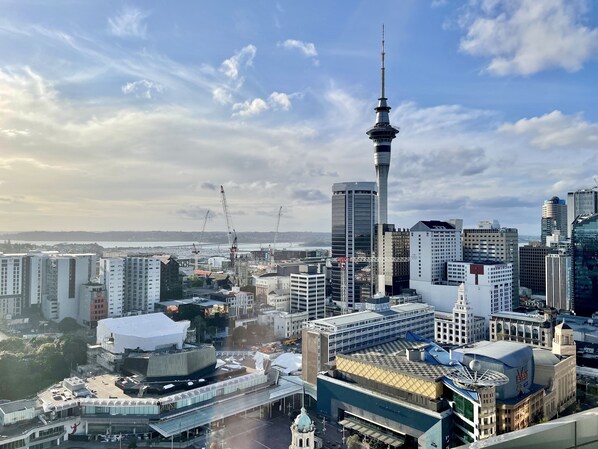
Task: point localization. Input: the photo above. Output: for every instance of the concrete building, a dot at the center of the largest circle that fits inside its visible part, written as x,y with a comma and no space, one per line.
308,294
432,245
142,284
534,329
584,239
12,280
461,326
532,266
580,202
93,304
267,283
558,281
392,261
65,274
279,299
240,303
554,217
171,281
112,275
353,218
494,245
323,339
284,324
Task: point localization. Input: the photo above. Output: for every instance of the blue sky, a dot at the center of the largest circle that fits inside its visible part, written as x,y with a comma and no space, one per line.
129,115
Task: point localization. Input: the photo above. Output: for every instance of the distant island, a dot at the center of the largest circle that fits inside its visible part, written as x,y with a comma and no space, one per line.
306,238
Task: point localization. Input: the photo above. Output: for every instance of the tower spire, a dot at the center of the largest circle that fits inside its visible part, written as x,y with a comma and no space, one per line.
382,91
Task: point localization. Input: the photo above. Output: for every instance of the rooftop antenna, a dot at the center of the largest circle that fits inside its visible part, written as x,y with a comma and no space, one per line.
382,92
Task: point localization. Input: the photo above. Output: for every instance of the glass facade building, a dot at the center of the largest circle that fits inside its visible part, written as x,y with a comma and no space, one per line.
584,239
353,217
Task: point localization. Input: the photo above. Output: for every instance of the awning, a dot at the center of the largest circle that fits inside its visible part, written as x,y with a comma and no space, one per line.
372,432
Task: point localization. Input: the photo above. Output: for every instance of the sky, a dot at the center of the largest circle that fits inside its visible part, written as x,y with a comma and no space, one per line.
130,115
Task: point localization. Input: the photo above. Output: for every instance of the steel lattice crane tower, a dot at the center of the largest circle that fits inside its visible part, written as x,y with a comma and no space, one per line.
196,250
231,233
273,247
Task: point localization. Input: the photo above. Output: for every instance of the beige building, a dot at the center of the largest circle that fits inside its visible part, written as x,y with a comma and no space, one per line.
460,326
532,329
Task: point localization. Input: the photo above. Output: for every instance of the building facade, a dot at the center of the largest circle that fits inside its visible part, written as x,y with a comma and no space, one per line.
112,275
461,326
12,280
558,281
580,202
494,245
392,262
533,329
353,218
554,217
532,266
584,240
142,284
308,294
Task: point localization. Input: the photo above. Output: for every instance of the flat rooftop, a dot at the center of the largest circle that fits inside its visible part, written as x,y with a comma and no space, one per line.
367,315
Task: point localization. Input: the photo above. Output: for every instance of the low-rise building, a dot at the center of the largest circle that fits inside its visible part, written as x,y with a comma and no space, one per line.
284,324
535,329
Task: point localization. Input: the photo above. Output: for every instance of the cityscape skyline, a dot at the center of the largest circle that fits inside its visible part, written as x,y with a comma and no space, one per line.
490,127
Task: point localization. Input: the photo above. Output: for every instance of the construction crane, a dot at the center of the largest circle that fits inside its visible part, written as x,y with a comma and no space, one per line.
231,233
273,247
203,229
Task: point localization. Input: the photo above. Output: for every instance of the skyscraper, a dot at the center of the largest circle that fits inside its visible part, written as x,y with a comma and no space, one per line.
554,216
558,281
532,266
353,215
584,239
580,202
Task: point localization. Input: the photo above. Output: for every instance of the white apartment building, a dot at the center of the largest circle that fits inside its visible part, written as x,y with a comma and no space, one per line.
239,303
11,285
323,339
142,284
36,289
432,244
308,294
461,326
284,324
65,274
267,283
112,275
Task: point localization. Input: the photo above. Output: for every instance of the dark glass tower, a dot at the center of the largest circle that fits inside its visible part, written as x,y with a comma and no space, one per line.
353,217
584,239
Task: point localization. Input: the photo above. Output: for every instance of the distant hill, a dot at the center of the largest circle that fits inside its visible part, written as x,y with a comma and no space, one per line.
166,236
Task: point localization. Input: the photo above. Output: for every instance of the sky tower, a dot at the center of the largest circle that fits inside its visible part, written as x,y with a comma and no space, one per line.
382,134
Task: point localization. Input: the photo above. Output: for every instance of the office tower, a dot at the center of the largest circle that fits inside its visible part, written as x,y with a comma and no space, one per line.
308,294
558,281
112,276
392,259
554,216
11,285
494,245
382,134
65,274
584,240
532,266
171,281
353,215
142,284
35,280
93,304
580,202
432,244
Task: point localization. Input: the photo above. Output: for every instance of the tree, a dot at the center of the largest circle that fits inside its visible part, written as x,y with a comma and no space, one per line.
133,444
239,336
73,349
68,325
353,442
13,344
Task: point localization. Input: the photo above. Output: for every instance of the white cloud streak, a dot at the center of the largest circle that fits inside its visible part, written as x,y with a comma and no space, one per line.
307,49
523,37
142,89
241,59
129,23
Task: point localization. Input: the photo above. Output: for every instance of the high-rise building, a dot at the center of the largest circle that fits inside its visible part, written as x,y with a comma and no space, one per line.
494,245
171,281
142,284
584,240
558,281
112,276
392,261
532,266
554,216
353,215
580,202
308,294
460,326
11,285
432,245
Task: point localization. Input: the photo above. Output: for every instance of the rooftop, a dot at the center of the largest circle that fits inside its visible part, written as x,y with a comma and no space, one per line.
142,326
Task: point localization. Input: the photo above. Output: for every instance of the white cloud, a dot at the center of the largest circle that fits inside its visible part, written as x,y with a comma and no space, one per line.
308,49
279,100
129,23
222,95
523,37
11,132
556,130
249,108
142,88
243,58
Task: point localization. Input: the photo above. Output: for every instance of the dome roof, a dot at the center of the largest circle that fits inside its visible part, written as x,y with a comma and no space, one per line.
303,421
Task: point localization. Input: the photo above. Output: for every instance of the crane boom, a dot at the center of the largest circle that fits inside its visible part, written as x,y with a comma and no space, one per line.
231,233
273,247
203,229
